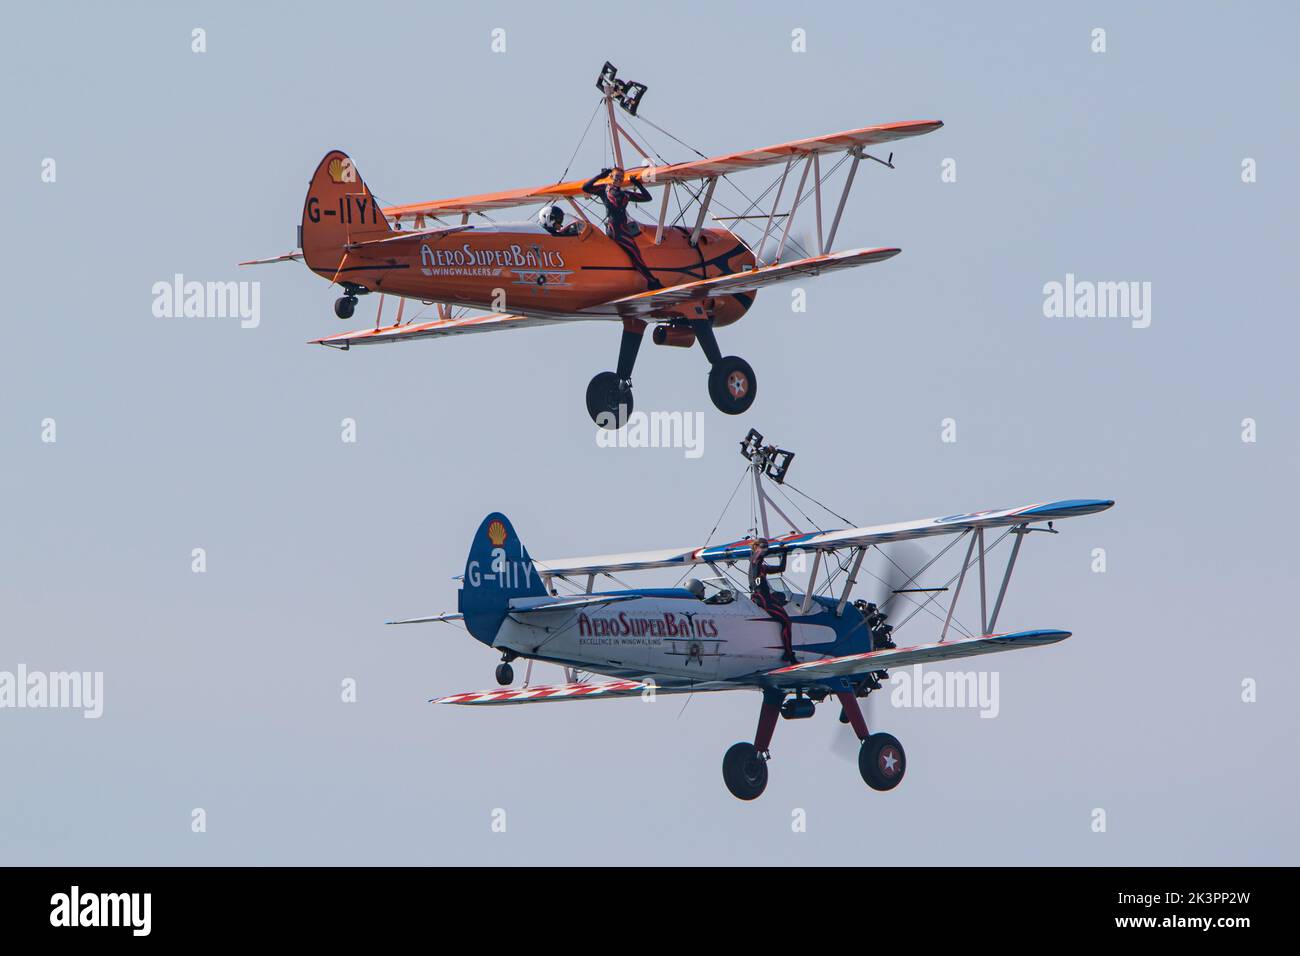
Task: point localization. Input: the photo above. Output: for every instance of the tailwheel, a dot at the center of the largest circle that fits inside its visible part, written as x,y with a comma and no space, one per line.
344,306
505,674
882,762
744,770
732,385
609,400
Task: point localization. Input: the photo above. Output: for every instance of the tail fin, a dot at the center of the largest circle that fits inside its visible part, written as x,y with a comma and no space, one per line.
498,568
339,210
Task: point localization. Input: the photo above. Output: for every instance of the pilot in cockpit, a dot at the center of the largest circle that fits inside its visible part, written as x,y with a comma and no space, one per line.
552,220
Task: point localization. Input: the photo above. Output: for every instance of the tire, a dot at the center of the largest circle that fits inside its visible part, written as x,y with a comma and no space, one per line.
882,762
732,385
744,771
344,306
609,401
505,674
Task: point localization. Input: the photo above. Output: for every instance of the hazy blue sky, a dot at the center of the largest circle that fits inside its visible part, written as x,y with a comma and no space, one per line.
222,690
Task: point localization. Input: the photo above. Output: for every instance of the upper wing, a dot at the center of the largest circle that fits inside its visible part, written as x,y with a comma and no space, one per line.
553,692
826,540
493,322
677,172
657,300
905,656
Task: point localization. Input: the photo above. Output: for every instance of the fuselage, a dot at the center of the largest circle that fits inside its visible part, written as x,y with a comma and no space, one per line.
673,634
520,267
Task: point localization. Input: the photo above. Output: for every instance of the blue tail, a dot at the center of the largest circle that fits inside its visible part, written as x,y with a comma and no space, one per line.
498,568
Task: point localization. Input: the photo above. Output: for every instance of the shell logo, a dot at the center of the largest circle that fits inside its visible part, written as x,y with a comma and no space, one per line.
496,534
341,171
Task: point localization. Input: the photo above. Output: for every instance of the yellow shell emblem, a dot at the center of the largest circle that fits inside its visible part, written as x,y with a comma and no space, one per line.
497,534
340,171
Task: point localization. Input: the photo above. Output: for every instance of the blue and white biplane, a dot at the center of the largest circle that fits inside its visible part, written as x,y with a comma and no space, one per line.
710,635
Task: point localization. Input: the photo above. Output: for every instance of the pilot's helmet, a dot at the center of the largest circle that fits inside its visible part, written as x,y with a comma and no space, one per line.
550,217
696,587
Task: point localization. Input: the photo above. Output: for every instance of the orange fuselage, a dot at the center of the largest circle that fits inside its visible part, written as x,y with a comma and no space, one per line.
519,267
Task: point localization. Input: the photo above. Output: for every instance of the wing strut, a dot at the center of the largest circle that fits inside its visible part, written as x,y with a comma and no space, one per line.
1020,533
961,578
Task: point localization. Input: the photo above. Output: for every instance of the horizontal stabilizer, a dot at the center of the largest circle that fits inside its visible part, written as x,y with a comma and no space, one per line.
427,620
527,605
403,237
287,257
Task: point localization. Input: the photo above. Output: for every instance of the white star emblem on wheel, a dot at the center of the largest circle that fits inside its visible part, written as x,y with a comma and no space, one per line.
889,760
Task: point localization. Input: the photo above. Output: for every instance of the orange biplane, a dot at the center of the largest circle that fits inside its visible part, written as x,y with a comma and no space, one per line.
676,274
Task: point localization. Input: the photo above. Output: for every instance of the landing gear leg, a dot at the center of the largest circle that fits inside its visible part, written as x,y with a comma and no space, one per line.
732,384
881,759
346,304
609,395
506,673
744,767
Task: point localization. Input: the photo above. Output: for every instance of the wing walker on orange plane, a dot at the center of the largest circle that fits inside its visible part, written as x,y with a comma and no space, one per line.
680,274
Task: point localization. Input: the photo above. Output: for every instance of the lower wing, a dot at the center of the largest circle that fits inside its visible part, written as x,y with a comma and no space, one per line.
663,300
828,667
492,322
641,305
582,691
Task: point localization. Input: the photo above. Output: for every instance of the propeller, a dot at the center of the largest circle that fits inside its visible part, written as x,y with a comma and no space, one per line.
891,576
801,243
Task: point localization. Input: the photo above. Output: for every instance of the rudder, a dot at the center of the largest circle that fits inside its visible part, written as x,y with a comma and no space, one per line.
498,569
339,209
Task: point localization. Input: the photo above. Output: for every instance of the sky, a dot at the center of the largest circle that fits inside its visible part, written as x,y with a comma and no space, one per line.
225,736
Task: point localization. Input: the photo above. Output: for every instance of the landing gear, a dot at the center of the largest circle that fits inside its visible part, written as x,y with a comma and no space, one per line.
609,400
744,766
881,759
732,384
609,395
344,306
505,674
882,762
744,770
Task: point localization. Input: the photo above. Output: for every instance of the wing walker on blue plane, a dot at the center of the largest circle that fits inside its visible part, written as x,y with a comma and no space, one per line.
797,646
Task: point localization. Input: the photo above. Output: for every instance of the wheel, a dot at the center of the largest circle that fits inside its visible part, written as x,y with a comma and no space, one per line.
744,771
732,385
505,674
882,762
344,306
609,400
